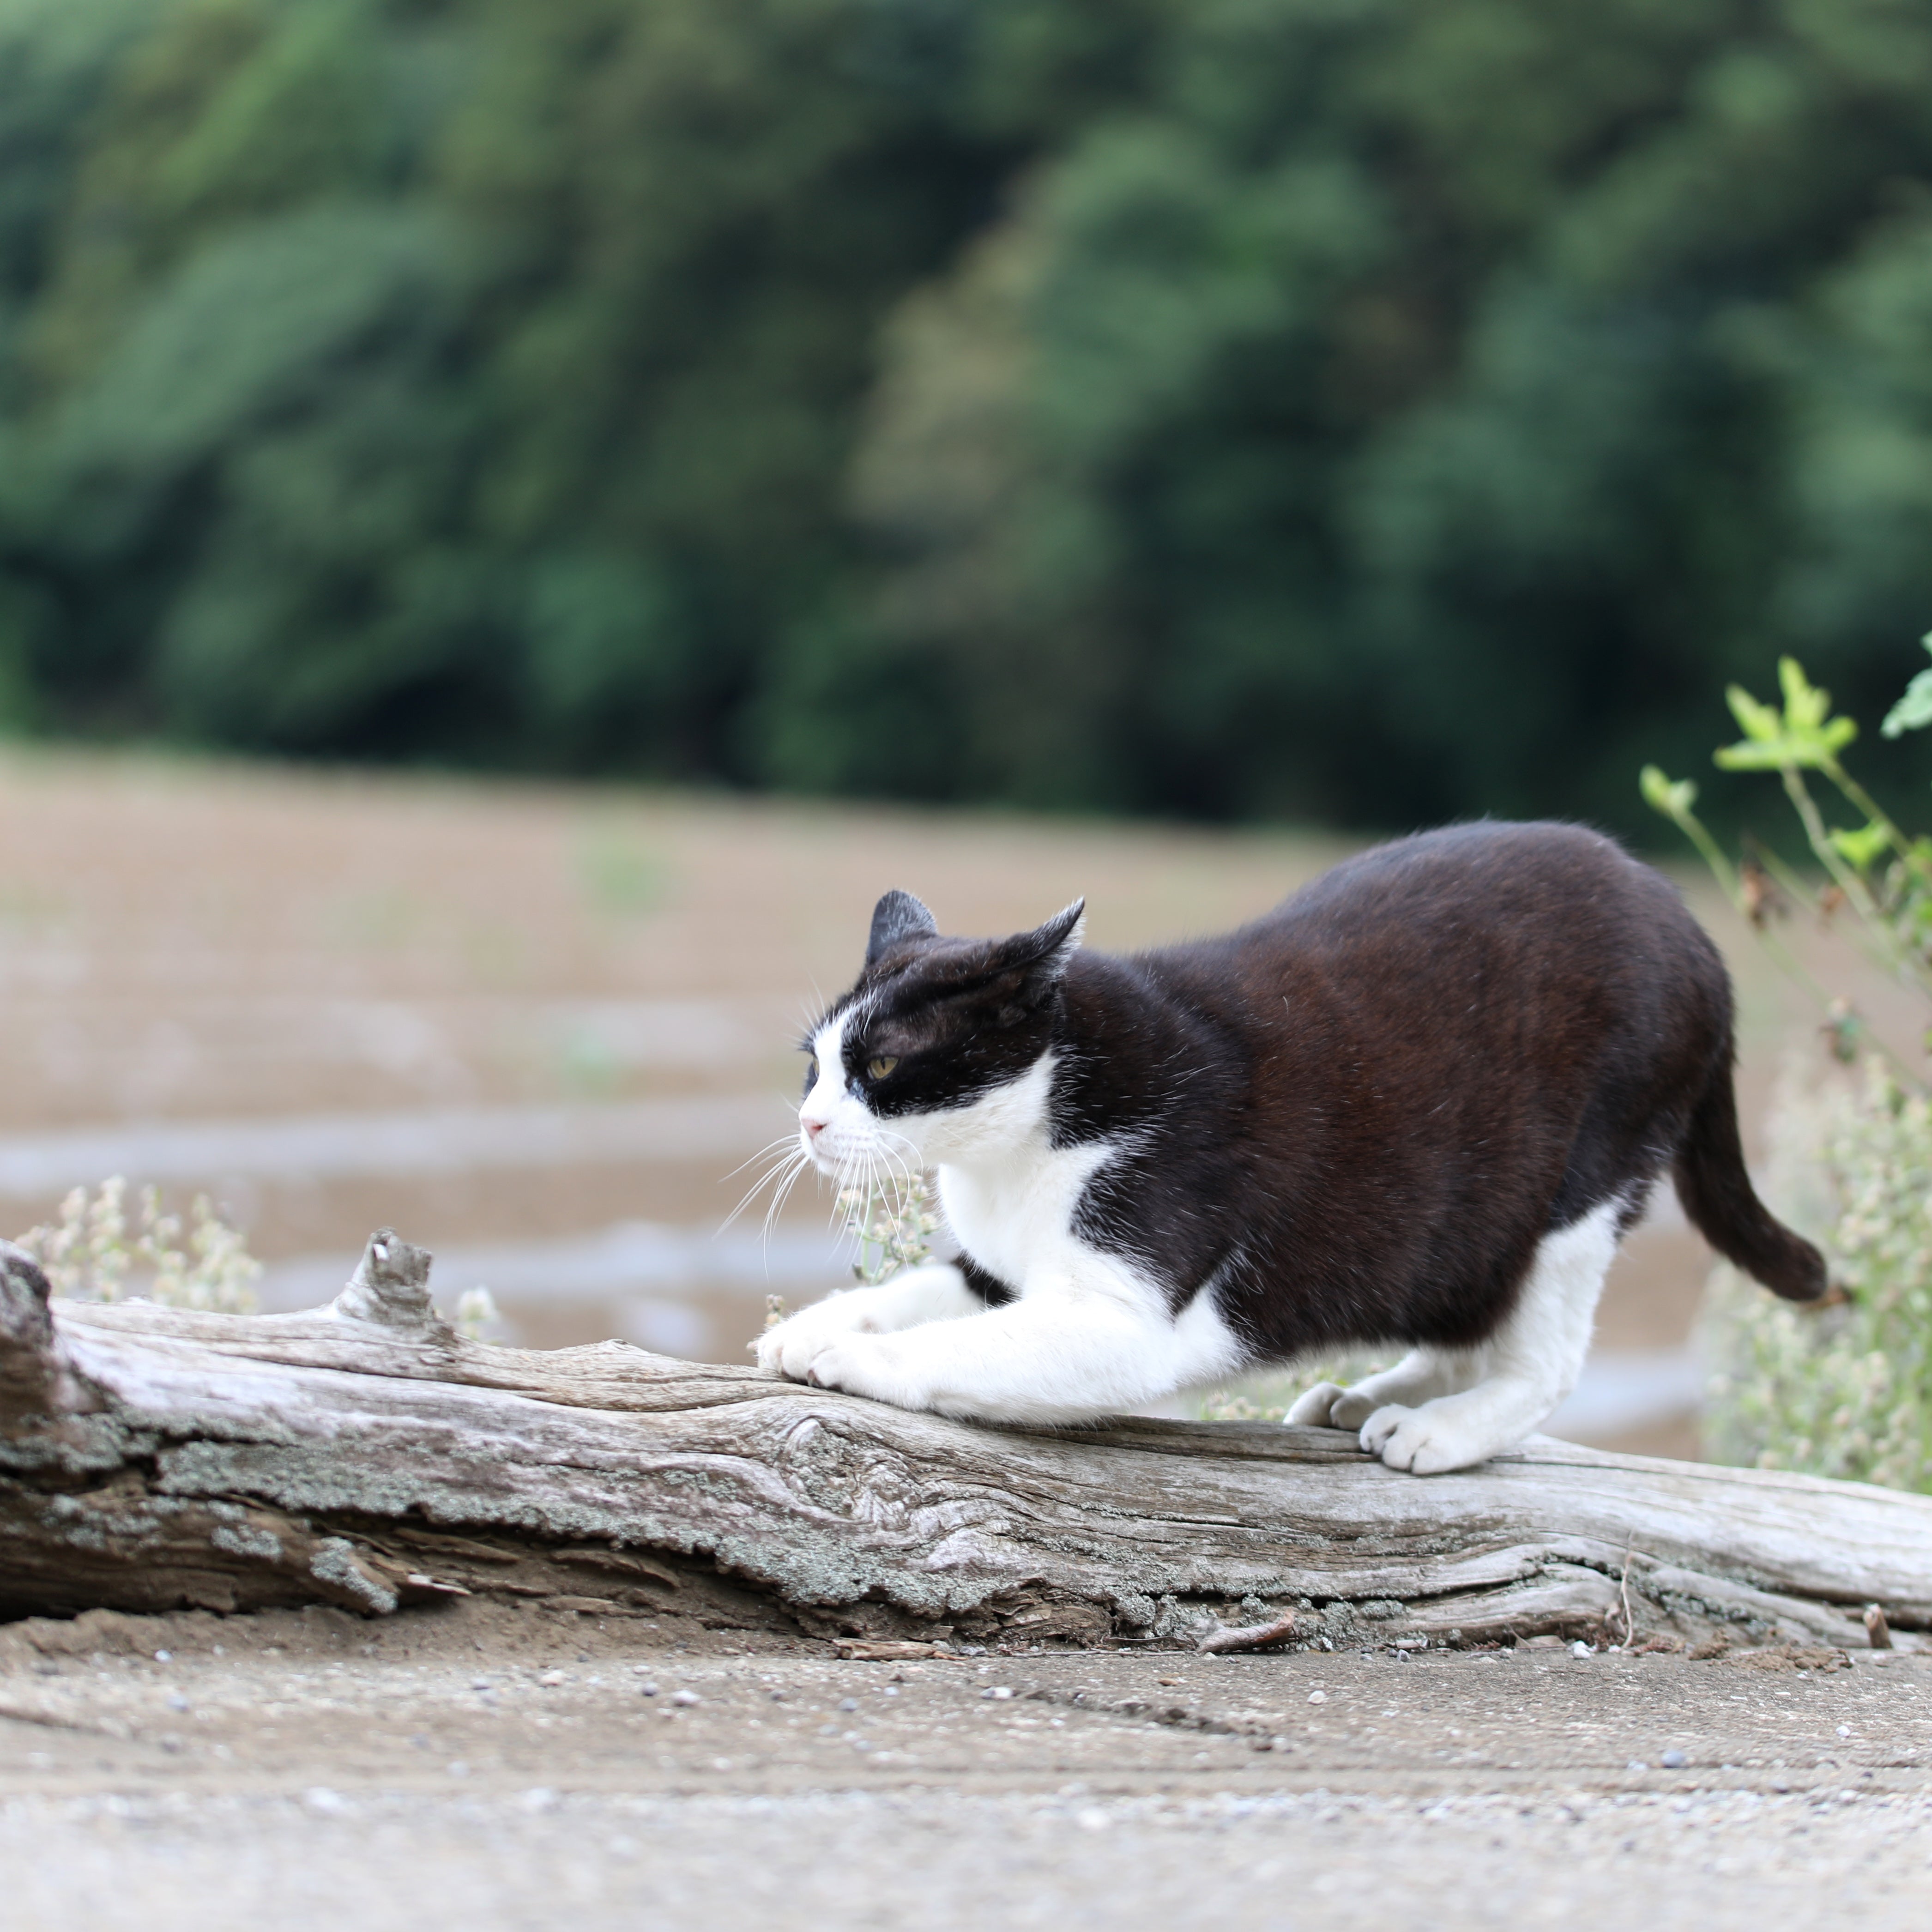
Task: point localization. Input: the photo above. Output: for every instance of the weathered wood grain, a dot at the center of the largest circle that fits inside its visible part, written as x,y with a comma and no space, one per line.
364,1455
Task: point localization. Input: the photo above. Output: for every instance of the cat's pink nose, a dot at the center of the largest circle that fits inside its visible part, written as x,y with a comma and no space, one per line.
813,1129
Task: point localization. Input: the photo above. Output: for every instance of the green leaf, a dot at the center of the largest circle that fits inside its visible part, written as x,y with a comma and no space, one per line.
1806,706
1805,737
1864,848
1756,721
1671,797
1749,757
1913,711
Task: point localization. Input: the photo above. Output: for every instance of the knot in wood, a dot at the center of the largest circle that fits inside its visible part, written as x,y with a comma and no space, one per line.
390,1287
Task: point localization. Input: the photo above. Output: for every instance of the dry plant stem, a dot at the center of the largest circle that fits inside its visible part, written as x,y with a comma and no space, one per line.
1888,953
1885,957
1725,873
365,1455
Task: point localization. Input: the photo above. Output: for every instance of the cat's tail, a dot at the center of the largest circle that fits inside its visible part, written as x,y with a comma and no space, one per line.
1723,1207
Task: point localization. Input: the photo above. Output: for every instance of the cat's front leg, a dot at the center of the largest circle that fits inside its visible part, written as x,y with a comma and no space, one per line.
936,1292
1065,1354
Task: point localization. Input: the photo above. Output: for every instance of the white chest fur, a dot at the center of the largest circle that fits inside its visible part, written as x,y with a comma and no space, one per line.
1015,1216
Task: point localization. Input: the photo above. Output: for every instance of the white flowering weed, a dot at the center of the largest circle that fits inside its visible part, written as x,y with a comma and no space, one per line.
1846,1391
90,1254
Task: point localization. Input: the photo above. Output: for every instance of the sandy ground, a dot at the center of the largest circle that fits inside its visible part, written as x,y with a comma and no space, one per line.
498,1769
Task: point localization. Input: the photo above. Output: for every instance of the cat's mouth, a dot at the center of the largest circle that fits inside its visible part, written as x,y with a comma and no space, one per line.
847,1154
826,1149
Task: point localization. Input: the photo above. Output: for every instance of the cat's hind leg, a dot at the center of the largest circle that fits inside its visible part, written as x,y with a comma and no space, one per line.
1421,1375
1535,1359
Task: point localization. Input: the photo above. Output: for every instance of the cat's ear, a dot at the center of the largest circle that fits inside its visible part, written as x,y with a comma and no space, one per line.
898,917
1045,953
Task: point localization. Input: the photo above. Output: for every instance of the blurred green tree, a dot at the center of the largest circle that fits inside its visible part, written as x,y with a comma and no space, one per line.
1364,409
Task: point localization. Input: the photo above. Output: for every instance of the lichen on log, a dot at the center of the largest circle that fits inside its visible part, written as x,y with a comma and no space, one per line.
364,1455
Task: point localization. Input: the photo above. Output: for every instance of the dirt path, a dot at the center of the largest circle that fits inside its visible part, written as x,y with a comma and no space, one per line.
526,1770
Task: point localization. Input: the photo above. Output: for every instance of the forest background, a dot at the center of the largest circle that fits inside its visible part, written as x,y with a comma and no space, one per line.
1349,411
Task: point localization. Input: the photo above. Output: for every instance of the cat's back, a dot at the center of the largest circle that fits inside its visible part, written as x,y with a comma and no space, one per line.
1485,875
1495,907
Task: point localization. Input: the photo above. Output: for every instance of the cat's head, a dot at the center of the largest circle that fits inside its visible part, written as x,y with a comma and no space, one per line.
941,1051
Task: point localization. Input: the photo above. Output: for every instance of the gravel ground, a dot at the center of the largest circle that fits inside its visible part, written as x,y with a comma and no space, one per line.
526,1770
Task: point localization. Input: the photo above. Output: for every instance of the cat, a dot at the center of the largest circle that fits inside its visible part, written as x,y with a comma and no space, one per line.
1418,1103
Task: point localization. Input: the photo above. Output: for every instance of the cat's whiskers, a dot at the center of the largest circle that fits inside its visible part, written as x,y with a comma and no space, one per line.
796,1164
780,1153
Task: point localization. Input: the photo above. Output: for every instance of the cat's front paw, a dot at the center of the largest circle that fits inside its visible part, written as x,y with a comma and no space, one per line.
1422,1443
791,1346
856,1364
1314,1408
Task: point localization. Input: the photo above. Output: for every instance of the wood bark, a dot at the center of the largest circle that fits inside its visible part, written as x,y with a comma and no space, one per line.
363,1455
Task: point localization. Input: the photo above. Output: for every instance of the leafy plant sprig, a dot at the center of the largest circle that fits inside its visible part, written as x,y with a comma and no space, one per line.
1884,877
1844,1387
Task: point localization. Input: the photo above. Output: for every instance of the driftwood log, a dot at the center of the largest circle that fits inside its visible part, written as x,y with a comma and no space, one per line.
364,1456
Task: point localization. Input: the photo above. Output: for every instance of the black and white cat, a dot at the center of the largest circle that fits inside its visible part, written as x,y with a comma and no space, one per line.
1418,1103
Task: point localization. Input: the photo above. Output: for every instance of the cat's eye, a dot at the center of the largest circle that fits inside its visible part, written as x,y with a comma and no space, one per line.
879,1067
811,1073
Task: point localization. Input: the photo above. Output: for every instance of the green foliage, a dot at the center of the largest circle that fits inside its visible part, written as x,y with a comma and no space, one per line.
1892,902
1246,407
1846,1389
1804,737
1846,1392
1913,712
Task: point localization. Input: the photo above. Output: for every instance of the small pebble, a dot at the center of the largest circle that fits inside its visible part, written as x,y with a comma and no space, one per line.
1317,1696
1580,1649
686,1697
852,1704
164,1657
1673,1760
649,1690
999,1692
550,1679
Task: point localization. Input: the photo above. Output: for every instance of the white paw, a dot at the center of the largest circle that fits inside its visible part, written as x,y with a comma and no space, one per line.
1424,1444
1353,1407
856,1364
791,1348
1315,1408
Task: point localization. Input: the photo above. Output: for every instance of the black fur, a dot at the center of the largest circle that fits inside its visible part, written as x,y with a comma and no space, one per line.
1353,1120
